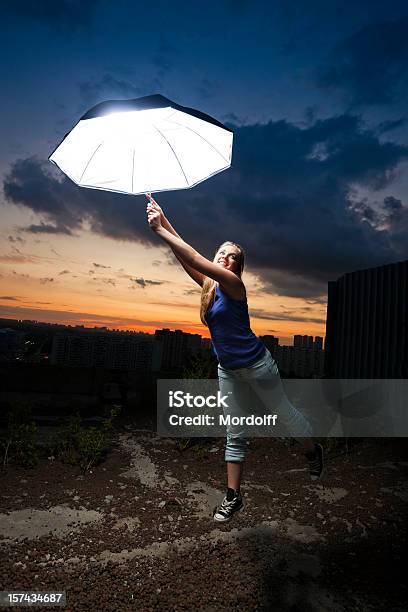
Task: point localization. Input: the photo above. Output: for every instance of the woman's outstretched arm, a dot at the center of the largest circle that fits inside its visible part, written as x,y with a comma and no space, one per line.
198,277
192,258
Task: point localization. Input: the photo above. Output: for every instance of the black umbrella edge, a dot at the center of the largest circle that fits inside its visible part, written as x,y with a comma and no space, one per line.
146,103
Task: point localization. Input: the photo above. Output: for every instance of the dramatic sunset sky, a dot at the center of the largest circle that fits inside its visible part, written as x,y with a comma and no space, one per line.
316,94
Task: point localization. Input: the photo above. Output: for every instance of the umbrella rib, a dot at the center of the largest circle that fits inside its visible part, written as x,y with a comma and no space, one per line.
174,153
89,161
186,127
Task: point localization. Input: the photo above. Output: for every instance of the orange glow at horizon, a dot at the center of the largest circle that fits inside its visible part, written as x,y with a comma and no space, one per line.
96,281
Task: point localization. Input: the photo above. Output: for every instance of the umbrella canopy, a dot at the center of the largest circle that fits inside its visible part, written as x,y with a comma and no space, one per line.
145,145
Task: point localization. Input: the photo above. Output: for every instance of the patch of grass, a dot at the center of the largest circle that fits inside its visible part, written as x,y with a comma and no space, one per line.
202,365
183,443
199,446
83,446
200,450
19,442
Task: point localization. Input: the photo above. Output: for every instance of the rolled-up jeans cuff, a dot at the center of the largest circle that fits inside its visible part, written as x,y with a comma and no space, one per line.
236,449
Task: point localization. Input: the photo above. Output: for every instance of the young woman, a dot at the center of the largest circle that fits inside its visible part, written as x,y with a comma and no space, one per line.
242,356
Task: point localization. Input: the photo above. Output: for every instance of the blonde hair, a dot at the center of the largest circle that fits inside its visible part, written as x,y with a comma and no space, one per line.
209,284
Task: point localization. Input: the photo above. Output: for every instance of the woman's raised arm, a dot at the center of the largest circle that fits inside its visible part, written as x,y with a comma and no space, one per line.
194,274
230,281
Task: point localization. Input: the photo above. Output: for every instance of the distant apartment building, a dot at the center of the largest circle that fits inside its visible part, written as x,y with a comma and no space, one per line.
303,341
270,342
299,362
367,323
318,343
305,359
11,344
110,350
177,346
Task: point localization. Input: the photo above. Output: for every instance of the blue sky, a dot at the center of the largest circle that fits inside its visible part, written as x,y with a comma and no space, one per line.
316,94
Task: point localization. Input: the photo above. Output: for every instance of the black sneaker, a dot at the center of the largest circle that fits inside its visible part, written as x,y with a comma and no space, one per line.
231,503
316,464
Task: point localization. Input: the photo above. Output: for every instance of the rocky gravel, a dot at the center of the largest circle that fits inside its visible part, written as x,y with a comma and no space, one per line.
136,533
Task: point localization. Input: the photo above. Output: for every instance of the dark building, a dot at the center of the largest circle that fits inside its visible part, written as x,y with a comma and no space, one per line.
270,342
112,350
177,346
318,343
366,327
11,344
303,341
296,360
299,362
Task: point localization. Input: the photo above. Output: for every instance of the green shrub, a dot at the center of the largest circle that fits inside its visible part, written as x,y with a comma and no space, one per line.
83,446
63,442
19,442
200,450
202,366
183,443
92,443
200,446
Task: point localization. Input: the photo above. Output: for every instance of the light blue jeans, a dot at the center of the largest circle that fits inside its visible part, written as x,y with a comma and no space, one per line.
264,380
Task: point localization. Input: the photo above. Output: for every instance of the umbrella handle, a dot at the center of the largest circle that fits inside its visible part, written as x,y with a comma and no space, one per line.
148,195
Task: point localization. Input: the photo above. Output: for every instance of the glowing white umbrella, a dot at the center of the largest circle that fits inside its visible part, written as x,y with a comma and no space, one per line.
145,145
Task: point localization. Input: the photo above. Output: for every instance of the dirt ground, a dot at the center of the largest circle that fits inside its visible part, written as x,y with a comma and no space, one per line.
137,532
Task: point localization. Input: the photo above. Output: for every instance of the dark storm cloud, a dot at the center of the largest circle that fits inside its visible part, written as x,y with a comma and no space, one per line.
107,88
25,186
45,228
392,204
89,319
232,120
389,126
208,88
164,57
16,258
66,15
370,66
365,211
144,282
105,281
16,239
31,184
192,292
261,314
287,199
396,221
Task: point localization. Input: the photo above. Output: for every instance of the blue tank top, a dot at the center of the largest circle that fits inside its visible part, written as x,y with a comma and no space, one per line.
234,343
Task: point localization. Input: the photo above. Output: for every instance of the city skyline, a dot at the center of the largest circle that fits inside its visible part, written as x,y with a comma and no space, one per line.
3,325
38,344
317,186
